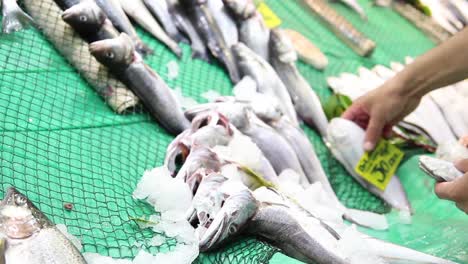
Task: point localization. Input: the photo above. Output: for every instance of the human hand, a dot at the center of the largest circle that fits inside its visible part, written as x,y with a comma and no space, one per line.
456,191
379,110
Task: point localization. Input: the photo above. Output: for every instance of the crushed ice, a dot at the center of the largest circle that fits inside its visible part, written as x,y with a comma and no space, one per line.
172,70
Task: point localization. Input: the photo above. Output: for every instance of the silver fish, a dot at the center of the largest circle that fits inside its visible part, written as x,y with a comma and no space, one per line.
137,10
268,81
354,5
30,237
199,157
118,55
438,169
345,140
306,101
211,33
226,23
88,19
115,13
48,17
180,18
14,19
252,29
160,10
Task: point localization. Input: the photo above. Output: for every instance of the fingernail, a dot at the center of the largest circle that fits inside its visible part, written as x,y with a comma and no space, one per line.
369,146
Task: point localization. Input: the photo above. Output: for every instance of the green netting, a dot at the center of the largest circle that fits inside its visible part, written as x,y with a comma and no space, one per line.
60,143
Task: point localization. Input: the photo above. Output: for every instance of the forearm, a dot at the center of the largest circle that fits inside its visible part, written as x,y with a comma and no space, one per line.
442,66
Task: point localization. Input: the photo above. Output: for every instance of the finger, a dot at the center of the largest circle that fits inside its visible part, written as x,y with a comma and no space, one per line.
462,165
388,131
463,207
444,190
373,132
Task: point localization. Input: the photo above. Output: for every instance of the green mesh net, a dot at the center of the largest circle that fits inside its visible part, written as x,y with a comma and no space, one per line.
60,143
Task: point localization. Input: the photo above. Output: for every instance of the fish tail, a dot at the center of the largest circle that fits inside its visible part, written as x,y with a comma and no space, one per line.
174,47
14,19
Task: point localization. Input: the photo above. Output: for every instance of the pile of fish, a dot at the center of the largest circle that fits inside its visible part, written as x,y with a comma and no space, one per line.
441,116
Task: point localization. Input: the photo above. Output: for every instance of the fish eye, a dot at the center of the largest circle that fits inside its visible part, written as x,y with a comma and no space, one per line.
20,201
83,18
232,229
110,55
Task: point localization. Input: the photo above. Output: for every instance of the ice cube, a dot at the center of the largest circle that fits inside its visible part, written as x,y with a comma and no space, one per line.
94,258
157,240
245,89
73,239
172,70
211,95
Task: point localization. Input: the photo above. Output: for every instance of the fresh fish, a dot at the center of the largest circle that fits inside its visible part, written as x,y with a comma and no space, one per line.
180,18
199,157
354,5
268,81
160,10
306,102
137,10
237,210
453,108
14,19
30,237
118,55
212,35
460,7
65,4
442,15
383,72
226,24
252,29
345,140
438,169
341,27
88,19
115,13
306,50
48,18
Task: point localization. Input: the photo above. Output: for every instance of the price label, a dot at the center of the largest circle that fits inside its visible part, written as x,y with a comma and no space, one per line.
379,166
271,19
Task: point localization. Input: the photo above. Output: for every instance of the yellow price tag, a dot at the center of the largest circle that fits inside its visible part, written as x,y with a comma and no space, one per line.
271,19
379,166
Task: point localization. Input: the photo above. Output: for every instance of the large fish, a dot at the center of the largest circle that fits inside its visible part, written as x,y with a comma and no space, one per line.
307,104
29,237
118,55
14,19
211,33
160,9
252,29
137,10
115,13
345,140
268,81
47,16
183,23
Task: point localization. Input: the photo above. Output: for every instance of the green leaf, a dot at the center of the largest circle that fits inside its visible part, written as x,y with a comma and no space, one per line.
336,105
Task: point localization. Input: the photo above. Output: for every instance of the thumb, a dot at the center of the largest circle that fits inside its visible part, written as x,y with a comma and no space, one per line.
373,132
444,190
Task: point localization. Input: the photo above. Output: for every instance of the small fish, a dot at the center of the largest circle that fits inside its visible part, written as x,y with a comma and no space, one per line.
137,10
48,18
180,18
88,19
118,55
160,10
345,140
252,29
268,81
115,13
306,102
14,19
29,237
438,169
307,51
212,35
223,19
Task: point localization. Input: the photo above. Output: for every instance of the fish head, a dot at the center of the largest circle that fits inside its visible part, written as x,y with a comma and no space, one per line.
19,217
199,157
282,47
234,112
241,8
117,52
85,15
234,216
212,118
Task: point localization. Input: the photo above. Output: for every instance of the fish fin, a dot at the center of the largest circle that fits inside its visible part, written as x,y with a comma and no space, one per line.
15,19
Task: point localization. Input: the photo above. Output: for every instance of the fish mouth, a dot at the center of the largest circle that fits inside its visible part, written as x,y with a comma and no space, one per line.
97,47
10,197
214,234
68,14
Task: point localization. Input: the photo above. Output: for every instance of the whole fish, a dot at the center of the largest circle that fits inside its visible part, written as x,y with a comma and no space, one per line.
137,10
48,18
29,237
115,13
160,10
268,81
440,170
345,140
306,102
226,23
306,50
14,19
183,23
118,55
211,33
252,29
88,19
